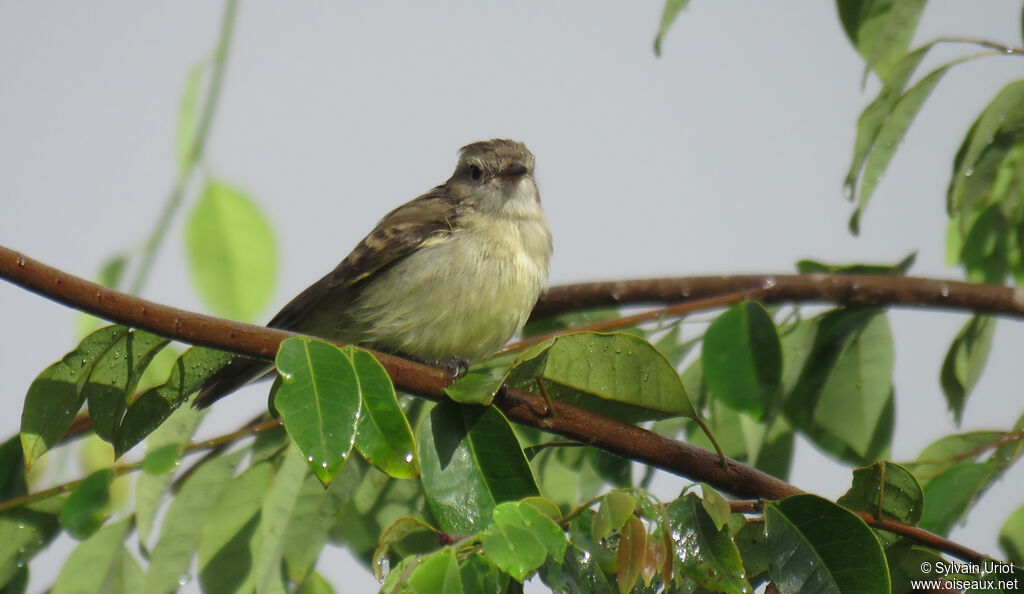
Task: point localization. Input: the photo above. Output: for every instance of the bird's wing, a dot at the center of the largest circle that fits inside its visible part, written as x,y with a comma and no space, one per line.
400,232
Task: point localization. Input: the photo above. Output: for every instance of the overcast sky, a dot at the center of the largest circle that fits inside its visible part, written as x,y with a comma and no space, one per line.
726,155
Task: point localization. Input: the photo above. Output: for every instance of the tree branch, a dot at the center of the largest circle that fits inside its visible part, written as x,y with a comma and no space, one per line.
610,435
845,289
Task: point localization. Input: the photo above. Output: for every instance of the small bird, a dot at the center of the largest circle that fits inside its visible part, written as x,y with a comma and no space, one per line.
448,277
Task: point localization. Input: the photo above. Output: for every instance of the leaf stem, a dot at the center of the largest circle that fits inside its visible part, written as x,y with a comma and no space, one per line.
1001,48
122,469
195,152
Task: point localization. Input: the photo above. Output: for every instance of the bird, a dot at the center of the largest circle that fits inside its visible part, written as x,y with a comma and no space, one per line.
446,279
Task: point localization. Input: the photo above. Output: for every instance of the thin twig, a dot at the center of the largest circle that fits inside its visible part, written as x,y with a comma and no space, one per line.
120,469
1000,47
671,311
195,151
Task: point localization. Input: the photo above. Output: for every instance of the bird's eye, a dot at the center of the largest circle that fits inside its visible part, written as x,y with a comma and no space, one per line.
475,173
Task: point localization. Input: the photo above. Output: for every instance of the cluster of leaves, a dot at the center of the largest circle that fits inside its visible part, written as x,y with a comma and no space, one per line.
257,517
493,503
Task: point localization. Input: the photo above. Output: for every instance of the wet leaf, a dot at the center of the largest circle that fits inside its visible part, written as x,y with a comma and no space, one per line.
320,401
470,461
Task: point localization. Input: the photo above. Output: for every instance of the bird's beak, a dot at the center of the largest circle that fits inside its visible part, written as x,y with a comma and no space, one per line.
513,171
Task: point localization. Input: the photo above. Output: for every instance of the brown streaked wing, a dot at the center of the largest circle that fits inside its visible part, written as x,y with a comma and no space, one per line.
397,234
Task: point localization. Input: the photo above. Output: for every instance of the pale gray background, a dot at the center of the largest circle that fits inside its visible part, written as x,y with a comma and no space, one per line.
726,155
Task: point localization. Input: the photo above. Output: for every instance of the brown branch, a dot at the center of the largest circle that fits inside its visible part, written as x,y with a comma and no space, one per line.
845,289
529,409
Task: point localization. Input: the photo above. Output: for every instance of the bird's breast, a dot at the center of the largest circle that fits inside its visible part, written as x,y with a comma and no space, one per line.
463,293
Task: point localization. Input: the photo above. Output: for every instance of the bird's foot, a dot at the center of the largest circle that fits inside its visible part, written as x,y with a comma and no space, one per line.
454,366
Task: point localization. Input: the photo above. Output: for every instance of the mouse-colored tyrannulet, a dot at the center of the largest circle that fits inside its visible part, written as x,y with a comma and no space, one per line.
451,275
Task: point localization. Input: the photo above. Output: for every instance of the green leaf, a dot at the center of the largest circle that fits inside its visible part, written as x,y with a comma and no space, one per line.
815,545
99,564
881,30
906,563
155,405
163,454
88,506
316,584
18,584
383,435
1011,537
898,269
13,479
875,114
673,345
565,321
564,476
742,438
704,553
279,506
616,507
715,505
843,397
230,540
55,397
480,575
527,514
945,452
186,133
1002,119
314,513
986,251
231,252
521,538
476,387
743,359
577,571
965,361
949,496
377,501
618,375
885,489
185,520
996,181
394,534
470,461
320,401
668,16
112,380
437,574
750,542
25,531
889,137
613,470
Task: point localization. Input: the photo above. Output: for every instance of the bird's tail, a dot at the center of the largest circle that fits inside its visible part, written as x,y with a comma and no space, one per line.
237,373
